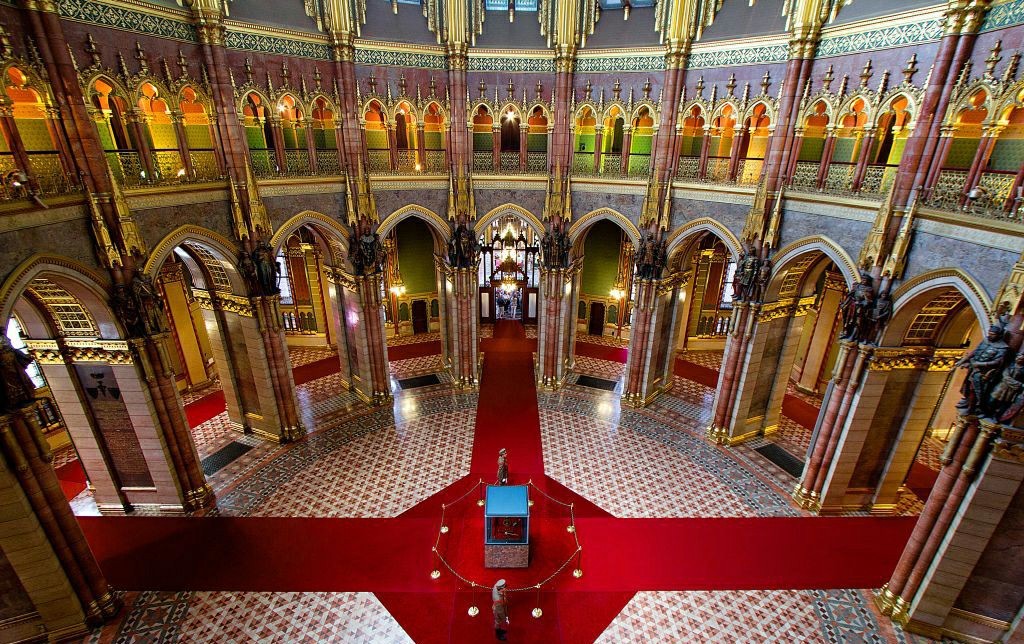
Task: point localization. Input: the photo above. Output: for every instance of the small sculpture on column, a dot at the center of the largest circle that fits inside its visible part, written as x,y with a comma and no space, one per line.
984,366
1008,394
18,389
502,467
880,316
856,308
499,606
150,305
267,268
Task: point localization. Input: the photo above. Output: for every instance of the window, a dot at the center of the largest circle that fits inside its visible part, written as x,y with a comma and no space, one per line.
15,336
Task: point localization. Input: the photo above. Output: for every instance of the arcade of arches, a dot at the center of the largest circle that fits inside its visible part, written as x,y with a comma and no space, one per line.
739,288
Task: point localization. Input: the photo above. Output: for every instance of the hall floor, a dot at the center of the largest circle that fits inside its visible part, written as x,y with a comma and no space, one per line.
362,462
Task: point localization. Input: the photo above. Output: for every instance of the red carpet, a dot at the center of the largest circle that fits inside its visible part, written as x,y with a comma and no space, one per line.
202,410
315,370
393,558
800,411
600,351
415,350
72,478
507,413
921,480
695,372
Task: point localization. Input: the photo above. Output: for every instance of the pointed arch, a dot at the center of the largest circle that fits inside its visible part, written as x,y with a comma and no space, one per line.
815,243
955,278
202,236
701,225
311,218
436,223
587,220
89,288
505,209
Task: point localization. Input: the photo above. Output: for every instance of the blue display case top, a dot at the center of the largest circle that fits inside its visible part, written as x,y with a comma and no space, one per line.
507,501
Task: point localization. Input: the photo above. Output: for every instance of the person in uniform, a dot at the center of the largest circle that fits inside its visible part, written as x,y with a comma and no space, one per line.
499,606
502,467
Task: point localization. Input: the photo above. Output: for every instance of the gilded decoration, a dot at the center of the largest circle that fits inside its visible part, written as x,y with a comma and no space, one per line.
1009,445
223,301
892,358
66,351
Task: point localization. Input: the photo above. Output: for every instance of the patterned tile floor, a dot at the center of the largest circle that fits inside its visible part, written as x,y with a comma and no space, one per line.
605,340
416,338
782,616
363,462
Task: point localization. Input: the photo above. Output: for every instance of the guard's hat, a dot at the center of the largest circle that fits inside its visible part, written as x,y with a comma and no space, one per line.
500,583
502,452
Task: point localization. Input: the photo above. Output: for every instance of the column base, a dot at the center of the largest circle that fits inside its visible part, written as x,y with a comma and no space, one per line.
716,434
550,383
293,433
637,401
201,497
806,499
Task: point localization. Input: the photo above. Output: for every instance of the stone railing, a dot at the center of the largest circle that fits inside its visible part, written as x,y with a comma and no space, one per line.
639,165
407,162
204,165
718,170
435,162
583,164
510,163
714,325
537,163
50,175
378,161
689,168
296,163
611,165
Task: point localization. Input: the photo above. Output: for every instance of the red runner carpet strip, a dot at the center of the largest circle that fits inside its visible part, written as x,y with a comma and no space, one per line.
414,350
601,351
72,478
506,415
202,410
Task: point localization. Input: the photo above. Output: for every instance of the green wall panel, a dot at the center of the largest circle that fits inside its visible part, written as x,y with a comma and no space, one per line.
483,141
376,139
198,137
34,134
537,143
811,150
433,141
1007,155
254,135
601,258
587,140
961,153
416,256
163,136
641,145
844,150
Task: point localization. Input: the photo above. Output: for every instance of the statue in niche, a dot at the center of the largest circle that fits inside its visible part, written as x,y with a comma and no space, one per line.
764,275
563,246
372,250
355,253
18,388
880,315
150,305
453,250
747,271
984,366
267,268
247,268
856,309
650,257
1008,394
126,308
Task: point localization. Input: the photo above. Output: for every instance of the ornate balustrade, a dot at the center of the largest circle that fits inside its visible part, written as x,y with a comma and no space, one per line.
328,163
611,165
50,174
510,163
689,168
435,163
718,170
407,162
264,164
714,325
537,163
204,165
877,179
839,179
583,164
296,163
639,165
483,162
378,161
749,171
805,176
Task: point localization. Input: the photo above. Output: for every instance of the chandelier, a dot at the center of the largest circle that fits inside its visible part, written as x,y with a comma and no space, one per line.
509,270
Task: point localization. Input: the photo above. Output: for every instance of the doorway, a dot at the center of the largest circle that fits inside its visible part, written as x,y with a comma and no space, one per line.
596,319
420,321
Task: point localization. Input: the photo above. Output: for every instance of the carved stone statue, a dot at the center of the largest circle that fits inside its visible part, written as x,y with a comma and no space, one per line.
764,275
18,389
748,276
1008,394
737,281
651,257
984,366
124,305
267,268
150,305
856,309
248,270
880,315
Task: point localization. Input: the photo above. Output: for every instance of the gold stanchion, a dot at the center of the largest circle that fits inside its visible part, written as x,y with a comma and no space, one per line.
537,612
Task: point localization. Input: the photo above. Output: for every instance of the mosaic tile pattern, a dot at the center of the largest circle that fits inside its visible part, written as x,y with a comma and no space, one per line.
411,367
379,474
64,455
189,397
709,359
608,369
299,356
617,458
810,398
237,617
416,338
603,340
930,453
752,616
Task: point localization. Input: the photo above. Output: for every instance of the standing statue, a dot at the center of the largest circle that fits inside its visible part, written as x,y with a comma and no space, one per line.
248,270
18,388
764,275
499,606
267,268
150,305
453,250
879,317
748,276
126,308
983,365
563,243
355,253
1008,394
547,249
856,308
737,275
502,467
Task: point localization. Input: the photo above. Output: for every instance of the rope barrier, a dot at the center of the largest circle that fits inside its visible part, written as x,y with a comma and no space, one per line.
572,530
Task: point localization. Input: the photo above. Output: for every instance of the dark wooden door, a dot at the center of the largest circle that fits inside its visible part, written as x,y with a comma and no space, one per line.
596,319
420,321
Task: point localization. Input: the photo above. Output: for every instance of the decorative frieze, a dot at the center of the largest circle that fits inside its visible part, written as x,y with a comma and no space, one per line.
223,301
115,352
892,358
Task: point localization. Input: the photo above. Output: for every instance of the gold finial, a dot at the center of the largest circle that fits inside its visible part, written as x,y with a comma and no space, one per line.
247,68
647,89
700,86
731,85
93,51
993,59
141,57
766,82
616,89
826,81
